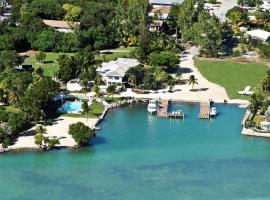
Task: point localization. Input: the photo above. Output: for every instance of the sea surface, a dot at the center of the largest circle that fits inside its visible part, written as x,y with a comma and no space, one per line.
137,156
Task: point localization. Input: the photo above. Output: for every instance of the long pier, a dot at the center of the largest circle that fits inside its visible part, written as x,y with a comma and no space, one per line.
163,108
204,110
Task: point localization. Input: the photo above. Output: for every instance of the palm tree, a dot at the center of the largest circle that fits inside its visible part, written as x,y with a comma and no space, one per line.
84,83
132,80
111,90
85,108
38,74
192,81
98,79
96,90
41,130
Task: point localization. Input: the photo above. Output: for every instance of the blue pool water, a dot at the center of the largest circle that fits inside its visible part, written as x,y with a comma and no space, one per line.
71,107
137,156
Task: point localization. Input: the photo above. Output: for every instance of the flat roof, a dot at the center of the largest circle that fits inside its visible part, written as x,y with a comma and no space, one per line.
166,2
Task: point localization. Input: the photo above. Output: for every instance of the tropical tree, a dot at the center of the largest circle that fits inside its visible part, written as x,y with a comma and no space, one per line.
256,102
96,90
98,79
85,108
192,81
81,133
84,83
38,74
166,59
132,80
111,90
44,142
40,56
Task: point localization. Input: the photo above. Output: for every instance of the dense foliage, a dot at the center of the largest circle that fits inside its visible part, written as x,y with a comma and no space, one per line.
81,133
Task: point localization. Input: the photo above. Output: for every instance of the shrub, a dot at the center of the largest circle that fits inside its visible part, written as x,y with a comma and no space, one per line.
81,133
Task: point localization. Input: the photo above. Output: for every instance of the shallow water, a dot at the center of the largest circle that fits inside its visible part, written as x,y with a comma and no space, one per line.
137,156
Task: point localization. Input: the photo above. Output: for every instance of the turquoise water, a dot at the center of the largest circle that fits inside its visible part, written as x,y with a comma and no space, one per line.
71,107
139,157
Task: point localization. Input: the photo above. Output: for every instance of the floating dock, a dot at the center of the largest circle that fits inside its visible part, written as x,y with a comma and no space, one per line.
178,114
163,107
204,110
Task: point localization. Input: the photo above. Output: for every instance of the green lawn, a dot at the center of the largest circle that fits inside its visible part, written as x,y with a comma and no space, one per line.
96,110
231,75
114,56
51,66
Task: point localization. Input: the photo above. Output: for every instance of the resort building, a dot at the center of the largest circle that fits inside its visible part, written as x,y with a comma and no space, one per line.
113,72
259,34
265,126
61,26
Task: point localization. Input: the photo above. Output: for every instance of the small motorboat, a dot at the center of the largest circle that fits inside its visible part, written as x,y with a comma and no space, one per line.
213,111
152,106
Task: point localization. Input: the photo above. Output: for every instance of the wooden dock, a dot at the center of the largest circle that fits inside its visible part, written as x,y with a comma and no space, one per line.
204,110
163,108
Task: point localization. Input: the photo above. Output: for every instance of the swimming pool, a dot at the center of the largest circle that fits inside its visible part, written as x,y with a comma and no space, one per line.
71,107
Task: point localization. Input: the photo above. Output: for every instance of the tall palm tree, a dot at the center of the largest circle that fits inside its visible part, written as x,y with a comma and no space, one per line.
192,81
98,79
132,80
96,90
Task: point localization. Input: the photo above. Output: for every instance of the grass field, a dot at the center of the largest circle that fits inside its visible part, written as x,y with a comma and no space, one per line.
231,75
51,66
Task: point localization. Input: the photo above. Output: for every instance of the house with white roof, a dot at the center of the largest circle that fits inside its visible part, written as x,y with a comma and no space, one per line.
259,34
165,2
113,72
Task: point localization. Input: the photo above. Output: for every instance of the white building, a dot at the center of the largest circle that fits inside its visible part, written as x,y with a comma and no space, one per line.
61,26
266,5
74,85
161,12
259,34
113,72
265,125
165,2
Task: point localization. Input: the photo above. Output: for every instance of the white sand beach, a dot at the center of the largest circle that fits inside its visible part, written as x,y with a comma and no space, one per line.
59,128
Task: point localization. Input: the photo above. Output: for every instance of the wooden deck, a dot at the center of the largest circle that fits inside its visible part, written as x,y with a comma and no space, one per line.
163,108
204,110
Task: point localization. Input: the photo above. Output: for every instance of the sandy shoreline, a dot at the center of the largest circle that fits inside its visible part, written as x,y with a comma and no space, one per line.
59,128
249,132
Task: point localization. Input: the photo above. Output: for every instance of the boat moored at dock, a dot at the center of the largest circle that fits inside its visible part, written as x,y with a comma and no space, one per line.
213,111
152,106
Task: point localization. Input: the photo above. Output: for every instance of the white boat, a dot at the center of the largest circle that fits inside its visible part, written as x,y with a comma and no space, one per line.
213,111
152,106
